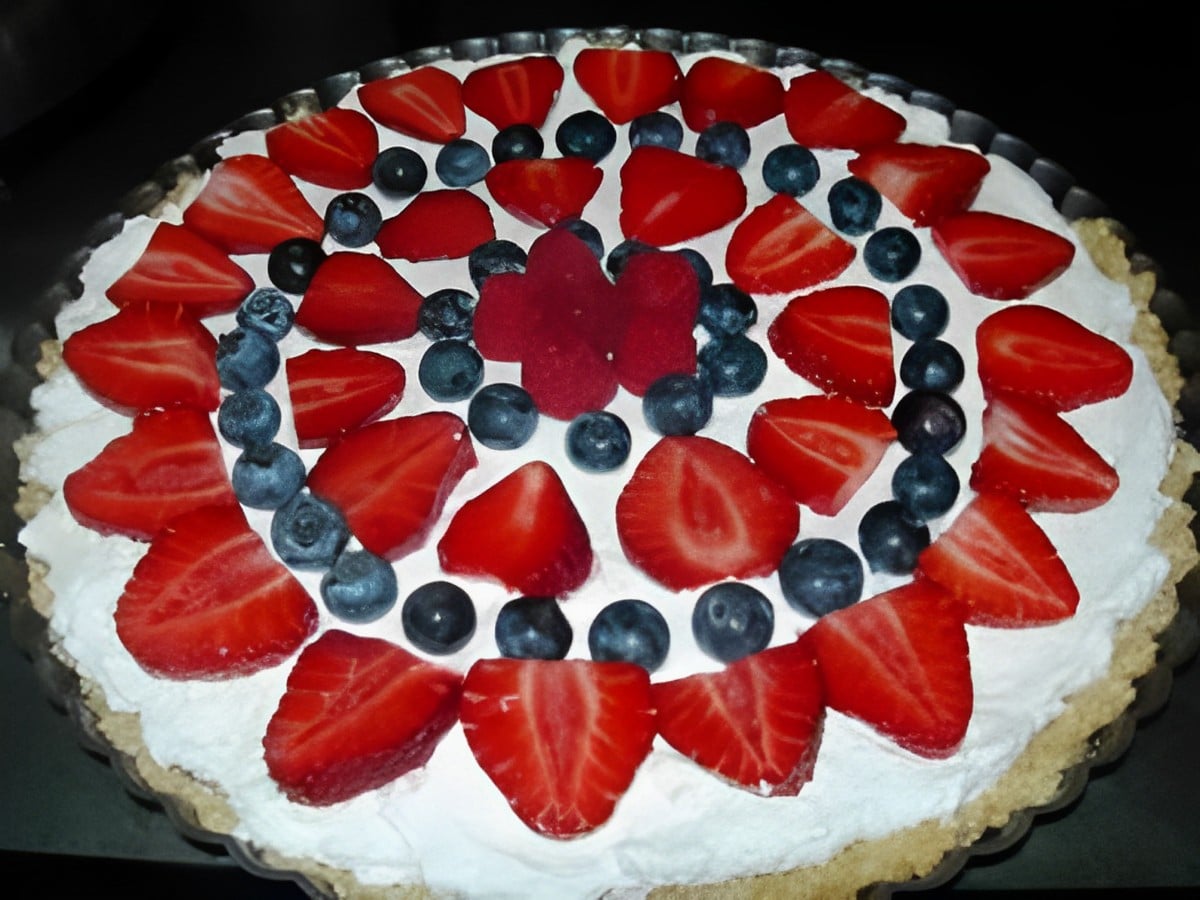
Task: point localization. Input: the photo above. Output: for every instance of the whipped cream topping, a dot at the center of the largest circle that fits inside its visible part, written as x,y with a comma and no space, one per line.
445,824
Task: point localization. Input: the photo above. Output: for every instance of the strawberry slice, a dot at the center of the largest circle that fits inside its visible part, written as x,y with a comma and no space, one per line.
169,464
390,479
822,449
782,247
824,112
426,104
697,511
925,183
544,191
524,532
560,739
517,92
726,90
1031,454
249,205
997,560
1049,358
898,662
999,257
336,391
208,600
437,225
758,722
357,298
335,148
358,713
147,356
668,197
661,294
628,83
180,267
840,339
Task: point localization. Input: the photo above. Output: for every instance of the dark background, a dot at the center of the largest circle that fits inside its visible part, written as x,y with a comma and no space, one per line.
95,96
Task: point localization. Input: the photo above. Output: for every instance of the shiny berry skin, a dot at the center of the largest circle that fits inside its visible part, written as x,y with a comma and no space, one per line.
791,169
533,628
656,129
724,143
267,476
267,310
246,359
891,254
450,370
630,631
494,258
890,539
678,404
308,532
502,416
928,422
461,163
704,272
932,365
587,134
292,264
352,219
920,311
360,587
249,418
399,172
926,485
586,232
725,309
734,366
598,441
517,142
448,313
732,620
820,575
854,206
620,255
438,617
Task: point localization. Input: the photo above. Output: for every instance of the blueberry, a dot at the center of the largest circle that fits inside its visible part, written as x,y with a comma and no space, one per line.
502,416
448,313
249,418
925,485
630,631
932,365
533,628
854,206
494,257
704,272
450,370
517,142
890,539
399,172
308,532
620,255
820,575
726,309
587,134
732,620
791,169
461,163
438,617
678,404
928,422
292,264
246,359
724,143
656,129
586,232
361,587
352,219
891,254
267,476
268,310
920,311
733,365
598,441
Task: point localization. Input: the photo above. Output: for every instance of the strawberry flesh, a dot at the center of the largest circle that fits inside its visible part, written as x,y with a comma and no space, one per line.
1000,257
425,103
335,148
357,298
824,112
336,391
517,92
926,183
437,225
726,90
627,83
668,196
544,191
782,247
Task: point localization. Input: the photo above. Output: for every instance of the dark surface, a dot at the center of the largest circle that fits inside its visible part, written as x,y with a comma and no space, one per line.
1109,100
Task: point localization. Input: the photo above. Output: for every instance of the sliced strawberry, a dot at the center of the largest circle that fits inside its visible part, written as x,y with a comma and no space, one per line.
781,247
437,225
926,183
524,532
668,197
725,90
822,449
517,92
147,356
544,191
997,560
758,722
661,294
169,464
1031,454
822,111
335,148
249,205
180,267
357,298
1049,358
208,600
390,479
697,511
840,339
1000,257
425,103
336,391
898,661
358,713
627,83
560,739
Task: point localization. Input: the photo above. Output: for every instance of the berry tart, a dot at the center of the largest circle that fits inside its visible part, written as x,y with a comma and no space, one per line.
607,464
